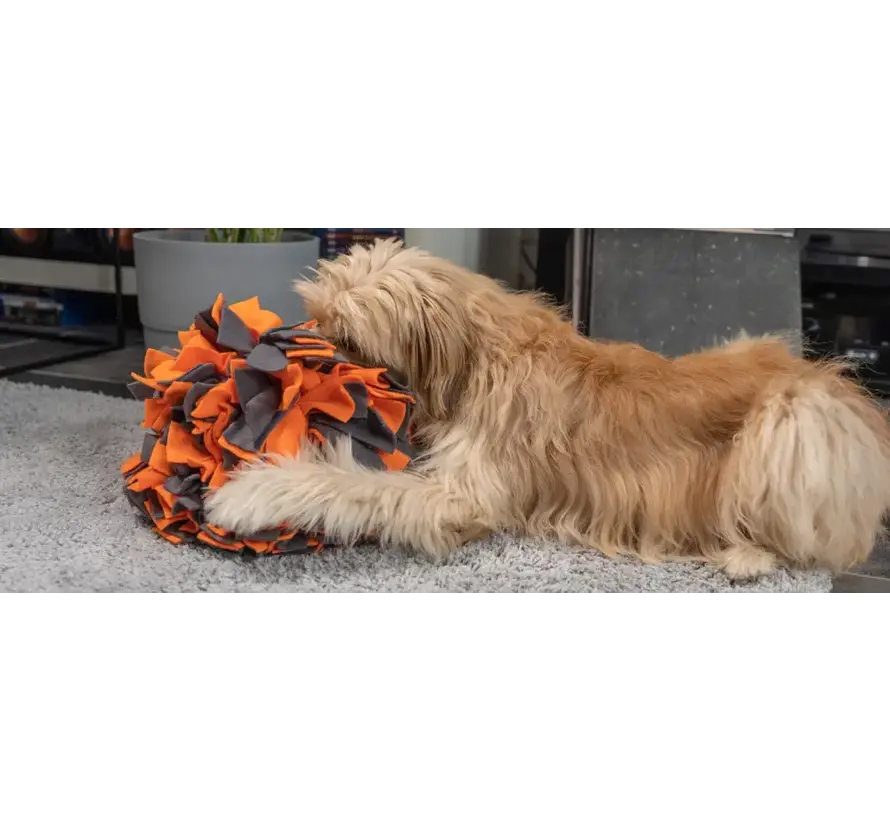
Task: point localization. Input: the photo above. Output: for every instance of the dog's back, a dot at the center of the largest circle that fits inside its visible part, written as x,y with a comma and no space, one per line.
746,454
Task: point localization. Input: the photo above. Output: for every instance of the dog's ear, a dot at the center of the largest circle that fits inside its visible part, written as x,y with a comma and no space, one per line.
441,356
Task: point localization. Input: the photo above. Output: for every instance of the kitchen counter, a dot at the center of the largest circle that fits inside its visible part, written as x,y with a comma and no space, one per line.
786,229
675,291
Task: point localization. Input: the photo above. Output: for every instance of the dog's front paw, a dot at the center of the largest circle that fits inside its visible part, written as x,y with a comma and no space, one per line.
245,504
438,538
435,545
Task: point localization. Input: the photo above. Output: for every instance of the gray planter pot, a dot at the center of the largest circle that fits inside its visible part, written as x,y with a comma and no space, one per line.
178,274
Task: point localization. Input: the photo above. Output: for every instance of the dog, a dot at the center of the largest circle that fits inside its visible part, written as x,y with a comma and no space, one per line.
746,456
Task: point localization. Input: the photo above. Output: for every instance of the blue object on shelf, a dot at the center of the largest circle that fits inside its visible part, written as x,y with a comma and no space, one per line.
335,241
82,308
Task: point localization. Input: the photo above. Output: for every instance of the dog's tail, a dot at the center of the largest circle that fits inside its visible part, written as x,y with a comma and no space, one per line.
809,475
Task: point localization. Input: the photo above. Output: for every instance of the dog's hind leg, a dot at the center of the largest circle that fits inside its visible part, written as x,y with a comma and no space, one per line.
329,492
742,562
809,476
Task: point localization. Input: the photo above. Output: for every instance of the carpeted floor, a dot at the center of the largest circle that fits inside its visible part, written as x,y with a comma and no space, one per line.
65,526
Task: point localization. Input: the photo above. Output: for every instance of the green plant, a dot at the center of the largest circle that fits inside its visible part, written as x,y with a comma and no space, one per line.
243,234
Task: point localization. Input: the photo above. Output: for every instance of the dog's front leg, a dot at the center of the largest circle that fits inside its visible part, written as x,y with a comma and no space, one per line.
333,494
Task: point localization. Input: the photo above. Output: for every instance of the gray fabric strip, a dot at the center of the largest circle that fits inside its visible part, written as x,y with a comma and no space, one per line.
200,373
273,423
301,346
299,543
229,460
204,322
141,391
173,484
358,430
138,501
395,381
239,434
260,411
186,502
223,538
233,333
267,358
197,390
359,394
366,455
148,445
266,535
183,485
285,334
377,426
250,383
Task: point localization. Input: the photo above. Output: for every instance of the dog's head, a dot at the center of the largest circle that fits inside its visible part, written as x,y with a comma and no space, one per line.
402,308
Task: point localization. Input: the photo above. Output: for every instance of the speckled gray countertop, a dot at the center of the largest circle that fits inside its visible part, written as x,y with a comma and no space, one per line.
762,229
680,290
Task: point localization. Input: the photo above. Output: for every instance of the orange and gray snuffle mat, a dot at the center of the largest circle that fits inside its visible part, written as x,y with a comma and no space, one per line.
244,386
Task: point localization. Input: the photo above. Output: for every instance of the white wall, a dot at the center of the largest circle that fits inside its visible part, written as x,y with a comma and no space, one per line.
509,254
462,246
495,251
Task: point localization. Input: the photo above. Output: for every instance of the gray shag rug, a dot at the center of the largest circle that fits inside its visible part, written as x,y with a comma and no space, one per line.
66,527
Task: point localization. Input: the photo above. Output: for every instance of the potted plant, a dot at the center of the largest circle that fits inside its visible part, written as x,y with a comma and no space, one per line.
180,272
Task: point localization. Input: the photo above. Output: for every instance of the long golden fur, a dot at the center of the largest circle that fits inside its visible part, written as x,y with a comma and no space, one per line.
745,455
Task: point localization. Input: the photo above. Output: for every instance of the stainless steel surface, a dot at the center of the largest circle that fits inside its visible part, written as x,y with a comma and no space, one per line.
766,229
867,227
813,256
578,273
854,582
788,229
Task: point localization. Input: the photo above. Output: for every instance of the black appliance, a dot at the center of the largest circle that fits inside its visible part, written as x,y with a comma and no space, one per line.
90,245
845,290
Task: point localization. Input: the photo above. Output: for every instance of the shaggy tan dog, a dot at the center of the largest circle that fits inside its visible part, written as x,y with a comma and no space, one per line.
746,455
